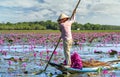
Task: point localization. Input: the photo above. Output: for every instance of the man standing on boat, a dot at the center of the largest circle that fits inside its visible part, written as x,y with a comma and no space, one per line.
65,23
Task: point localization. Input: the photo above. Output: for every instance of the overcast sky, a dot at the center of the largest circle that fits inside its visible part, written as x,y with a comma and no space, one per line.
93,11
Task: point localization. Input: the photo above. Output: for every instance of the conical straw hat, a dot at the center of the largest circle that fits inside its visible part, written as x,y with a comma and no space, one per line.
63,16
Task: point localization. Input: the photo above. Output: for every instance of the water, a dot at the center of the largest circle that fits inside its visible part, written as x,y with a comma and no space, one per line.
25,54
32,63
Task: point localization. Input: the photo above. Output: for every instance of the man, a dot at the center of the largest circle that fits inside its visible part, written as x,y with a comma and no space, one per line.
65,23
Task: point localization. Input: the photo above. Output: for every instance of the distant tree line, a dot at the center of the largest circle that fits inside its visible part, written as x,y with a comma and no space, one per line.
43,25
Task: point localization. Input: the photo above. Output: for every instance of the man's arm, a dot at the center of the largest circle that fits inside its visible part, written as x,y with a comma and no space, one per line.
73,18
74,11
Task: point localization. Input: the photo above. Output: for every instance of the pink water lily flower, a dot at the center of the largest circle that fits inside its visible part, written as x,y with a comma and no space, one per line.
47,57
76,61
24,65
47,51
35,54
105,71
1,42
55,53
9,62
41,54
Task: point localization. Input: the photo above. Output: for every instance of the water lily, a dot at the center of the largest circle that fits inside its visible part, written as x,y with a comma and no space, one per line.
35,54
76,61
9,62
105,72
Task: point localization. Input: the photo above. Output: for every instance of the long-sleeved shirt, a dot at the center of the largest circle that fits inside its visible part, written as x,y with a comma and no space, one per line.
66,29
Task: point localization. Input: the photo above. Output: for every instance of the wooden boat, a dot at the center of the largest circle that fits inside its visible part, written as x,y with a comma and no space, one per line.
84,69
94,66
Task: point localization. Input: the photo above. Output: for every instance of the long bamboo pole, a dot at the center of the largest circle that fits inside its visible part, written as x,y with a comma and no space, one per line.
52,54
74,11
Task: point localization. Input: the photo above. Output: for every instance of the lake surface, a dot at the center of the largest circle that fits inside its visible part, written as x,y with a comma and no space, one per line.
32,60
22,55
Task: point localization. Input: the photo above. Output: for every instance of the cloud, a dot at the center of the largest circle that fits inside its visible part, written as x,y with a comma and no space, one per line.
37,9
100,11
19,3
94,11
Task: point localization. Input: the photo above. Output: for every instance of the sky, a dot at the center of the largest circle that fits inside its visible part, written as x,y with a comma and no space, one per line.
89,11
